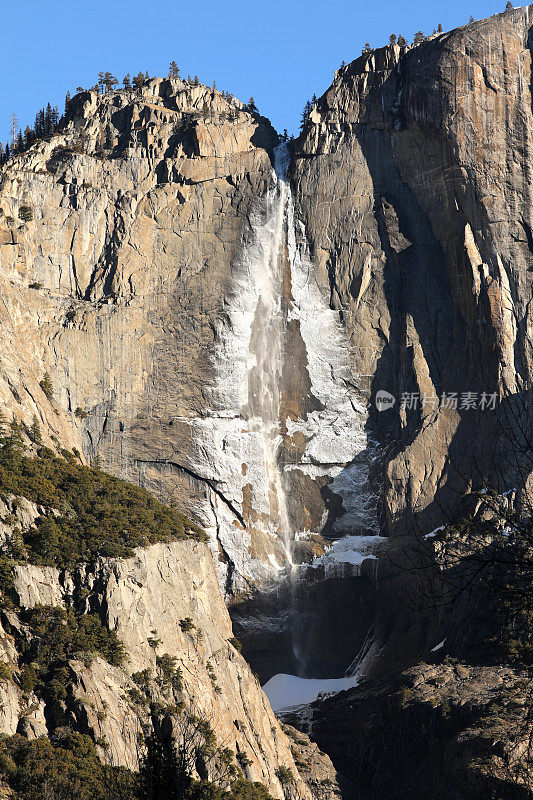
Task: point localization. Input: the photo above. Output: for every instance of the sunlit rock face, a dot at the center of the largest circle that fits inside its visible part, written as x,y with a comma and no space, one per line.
162,280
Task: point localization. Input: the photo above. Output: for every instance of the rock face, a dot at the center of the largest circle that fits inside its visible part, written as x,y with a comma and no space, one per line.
145,598
149,264
436,730
218,330
413,184
114,282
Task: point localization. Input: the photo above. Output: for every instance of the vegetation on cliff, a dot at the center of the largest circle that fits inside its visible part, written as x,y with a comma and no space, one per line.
86,512
67,766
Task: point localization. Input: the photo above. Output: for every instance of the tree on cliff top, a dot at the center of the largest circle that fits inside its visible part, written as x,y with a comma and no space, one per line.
173,70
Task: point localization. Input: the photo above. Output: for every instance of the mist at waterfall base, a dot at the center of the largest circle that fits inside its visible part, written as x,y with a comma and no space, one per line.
284,375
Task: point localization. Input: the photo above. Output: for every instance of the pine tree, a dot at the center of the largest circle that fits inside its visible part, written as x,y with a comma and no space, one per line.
35,431
28,137
402,41
15,442
47,386
126,81
174,70
419,37
366,48
392,38
471,20
20,143
439,28
101,82
2,154
7,153
305,115
109,82
138,80
79,89
251,106
67,101
508,6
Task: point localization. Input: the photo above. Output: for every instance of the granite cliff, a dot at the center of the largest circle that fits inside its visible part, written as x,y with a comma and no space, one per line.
217,313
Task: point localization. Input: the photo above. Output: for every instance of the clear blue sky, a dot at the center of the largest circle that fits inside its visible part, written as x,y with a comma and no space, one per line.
279,52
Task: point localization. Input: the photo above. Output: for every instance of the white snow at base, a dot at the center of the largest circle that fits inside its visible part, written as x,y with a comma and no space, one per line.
434,533
288,691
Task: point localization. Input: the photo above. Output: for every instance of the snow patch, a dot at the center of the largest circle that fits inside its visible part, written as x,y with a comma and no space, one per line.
435,532
350,550
438,646
289,691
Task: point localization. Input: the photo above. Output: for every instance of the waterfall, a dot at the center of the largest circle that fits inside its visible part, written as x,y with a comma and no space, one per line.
267,347
286,422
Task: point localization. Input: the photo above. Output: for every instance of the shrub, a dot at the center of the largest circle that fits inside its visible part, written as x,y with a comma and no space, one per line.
100,515
236,643
46,386
171,676
80,413
187,624
66,766
36,285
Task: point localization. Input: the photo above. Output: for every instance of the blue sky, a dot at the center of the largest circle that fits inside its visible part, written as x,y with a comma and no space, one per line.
279,52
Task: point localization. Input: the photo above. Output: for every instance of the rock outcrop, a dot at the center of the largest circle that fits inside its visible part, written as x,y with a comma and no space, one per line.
163,602
448,730
413,187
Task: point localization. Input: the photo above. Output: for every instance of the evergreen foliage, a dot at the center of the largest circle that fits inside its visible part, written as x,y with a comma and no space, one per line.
65,767
173,71
99,515
46,385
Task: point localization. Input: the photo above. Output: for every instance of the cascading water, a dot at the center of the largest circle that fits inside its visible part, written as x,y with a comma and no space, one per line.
267,347
286,432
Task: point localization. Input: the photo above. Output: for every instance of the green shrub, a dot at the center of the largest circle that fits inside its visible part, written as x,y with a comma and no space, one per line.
58,635
47,386
80,413
187,624
36,285
236,643
100,515
65,767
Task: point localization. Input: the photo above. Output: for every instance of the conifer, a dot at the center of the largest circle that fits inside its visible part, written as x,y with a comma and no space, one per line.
47,386
35,431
